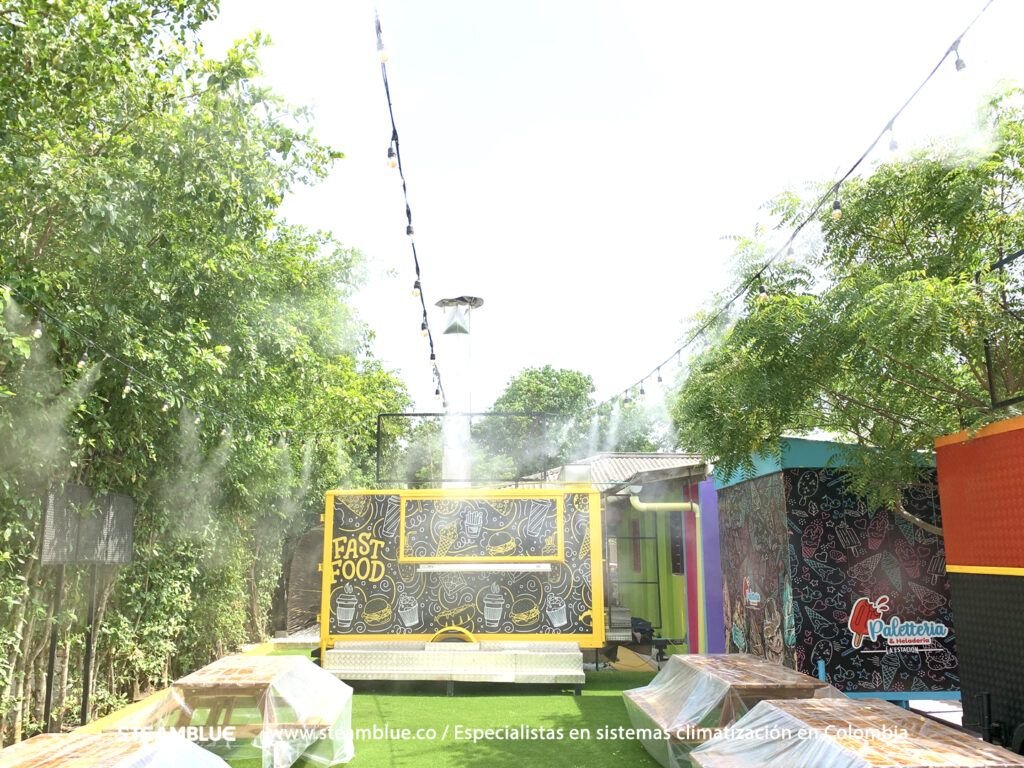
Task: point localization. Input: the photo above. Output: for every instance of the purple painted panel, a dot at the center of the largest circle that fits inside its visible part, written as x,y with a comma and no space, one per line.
713,600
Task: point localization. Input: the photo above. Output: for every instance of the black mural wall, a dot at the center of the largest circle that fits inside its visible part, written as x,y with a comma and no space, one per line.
374,591
799,551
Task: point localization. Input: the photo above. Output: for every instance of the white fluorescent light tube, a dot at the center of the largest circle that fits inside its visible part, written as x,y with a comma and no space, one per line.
482,567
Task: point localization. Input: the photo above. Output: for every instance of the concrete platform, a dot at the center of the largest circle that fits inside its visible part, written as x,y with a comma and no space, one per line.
492,662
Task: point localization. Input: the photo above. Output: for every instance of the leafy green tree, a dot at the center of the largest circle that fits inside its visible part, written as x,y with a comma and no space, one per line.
879,336
166,334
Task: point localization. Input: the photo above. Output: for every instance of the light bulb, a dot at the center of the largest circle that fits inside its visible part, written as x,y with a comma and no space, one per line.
659,375
165,407
961,65
433,357
642,390
416,288
409,230
127,388
37,331
82,361
392,157
893,144
423,328
837,210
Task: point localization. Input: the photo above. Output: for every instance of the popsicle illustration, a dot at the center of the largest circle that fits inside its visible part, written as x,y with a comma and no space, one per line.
864,611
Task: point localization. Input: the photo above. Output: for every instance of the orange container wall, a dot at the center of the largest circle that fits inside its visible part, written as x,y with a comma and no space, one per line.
981,486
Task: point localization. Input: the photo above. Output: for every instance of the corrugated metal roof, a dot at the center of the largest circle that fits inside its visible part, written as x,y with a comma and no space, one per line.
619,468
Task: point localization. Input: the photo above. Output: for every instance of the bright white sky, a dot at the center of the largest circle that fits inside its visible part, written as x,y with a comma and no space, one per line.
576,163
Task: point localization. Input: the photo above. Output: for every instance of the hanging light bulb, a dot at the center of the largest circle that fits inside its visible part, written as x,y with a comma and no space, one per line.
392,157
960,64
437,392
433,357
642,390
893,144
37,330
837,208
416,289
423,328
82,361
679,358
165,407
659,374
127,388
409,230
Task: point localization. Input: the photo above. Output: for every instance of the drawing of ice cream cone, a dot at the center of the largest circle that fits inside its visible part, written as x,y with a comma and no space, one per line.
494,607
811,538
877,529
345,605
890,663
408,611
555,607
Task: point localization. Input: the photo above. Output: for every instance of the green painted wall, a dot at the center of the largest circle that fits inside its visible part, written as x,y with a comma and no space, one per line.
663,604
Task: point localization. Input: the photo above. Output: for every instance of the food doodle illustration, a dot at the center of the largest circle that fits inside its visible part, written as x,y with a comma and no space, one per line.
820,564
389,571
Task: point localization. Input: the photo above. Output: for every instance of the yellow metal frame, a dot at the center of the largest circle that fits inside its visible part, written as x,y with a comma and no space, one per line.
515,493
593,640
988,570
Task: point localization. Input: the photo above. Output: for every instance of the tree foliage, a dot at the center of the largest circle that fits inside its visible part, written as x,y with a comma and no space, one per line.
166,334
879,335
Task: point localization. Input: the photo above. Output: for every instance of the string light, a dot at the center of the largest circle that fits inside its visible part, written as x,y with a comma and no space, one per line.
893,144
395,161
659,374
960,64
642,390
831,193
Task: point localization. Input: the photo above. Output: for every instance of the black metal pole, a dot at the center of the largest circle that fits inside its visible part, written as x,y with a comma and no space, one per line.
89,638
52,661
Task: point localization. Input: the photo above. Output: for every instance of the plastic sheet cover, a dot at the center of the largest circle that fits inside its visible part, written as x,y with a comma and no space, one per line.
847,733
693,697
262,710
107,750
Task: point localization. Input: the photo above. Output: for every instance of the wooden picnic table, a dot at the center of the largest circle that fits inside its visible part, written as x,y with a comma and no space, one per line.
852,733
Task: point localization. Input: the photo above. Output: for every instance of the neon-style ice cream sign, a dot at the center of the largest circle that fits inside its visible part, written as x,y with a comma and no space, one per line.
866,621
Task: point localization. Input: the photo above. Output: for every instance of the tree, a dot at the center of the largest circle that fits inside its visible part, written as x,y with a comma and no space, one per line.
166,334
880,336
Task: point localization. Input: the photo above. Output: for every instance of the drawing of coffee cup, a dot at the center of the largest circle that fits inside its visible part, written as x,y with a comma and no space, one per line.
345,605
494,607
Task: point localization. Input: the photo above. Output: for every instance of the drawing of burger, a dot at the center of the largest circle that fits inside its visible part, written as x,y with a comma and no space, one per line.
525,612
377,612
501,543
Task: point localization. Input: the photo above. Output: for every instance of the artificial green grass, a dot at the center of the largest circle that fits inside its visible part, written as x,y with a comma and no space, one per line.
478,706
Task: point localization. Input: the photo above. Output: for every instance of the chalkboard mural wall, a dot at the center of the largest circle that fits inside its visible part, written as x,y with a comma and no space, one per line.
386,556
804,561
